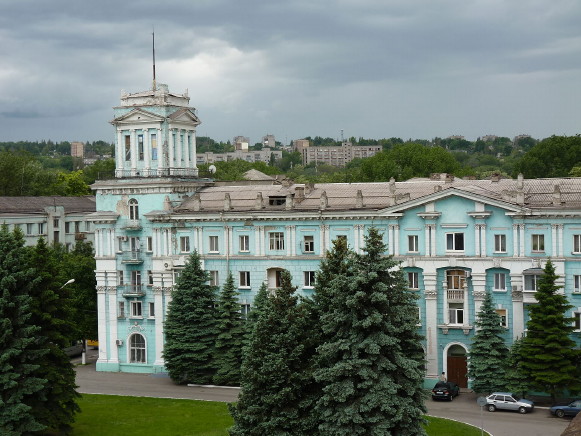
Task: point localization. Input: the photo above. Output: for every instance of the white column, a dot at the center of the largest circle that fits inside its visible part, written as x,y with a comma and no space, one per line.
322,238
146,151
515,240
560,237
171,149
120,153
133,152
187,136
179,148
229,245
257,239
168,244
396,239
518,325
112,295
159,318
327,238
193,150
160,155
477,240
553,240
427,245
433,240
102,323
431,316
287,238
262,241
483,239
522,239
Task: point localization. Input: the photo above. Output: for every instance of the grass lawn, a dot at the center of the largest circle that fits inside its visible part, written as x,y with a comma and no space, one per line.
128,416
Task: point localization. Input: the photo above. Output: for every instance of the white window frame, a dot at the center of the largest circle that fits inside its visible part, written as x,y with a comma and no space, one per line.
137,350
538,241
500,243
309,279
503,314
121,309
576,244
500,281
149,244
454,240
244,243
151,307
534,280
184,244
413,244
120,281
213,244
577,320
308,244
413,280
276,241
577,284
245,310
244,279
456,279
150,277
214,278
455,314
133,209
136,309
41,228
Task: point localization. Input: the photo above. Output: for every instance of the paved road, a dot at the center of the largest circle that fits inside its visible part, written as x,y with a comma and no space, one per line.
463,408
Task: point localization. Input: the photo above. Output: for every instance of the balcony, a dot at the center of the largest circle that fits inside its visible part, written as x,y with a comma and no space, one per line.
132,291
134,257
132,225
455,295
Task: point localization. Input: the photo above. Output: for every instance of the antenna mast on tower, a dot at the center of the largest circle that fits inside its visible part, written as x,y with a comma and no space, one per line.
154,84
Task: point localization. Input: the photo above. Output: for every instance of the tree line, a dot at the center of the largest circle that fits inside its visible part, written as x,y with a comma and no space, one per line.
39,317
347,361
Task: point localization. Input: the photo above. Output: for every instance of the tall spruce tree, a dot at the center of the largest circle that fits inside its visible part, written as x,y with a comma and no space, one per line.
21,353
549,357
488,353
190,327
52,312
230,338
275,370
371,365
515,379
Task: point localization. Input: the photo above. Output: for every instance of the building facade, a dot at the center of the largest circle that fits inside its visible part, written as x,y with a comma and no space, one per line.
334,155
456,240
265,155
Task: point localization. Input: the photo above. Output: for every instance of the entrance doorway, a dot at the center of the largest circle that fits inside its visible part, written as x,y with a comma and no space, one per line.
457,366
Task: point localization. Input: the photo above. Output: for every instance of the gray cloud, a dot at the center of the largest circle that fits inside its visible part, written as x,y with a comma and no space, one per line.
375,68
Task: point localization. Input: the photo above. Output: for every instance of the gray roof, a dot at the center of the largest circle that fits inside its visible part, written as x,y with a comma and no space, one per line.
31,205
563,193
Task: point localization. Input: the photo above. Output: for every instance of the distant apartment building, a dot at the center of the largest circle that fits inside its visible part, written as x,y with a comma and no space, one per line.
78,149
268,141
519,137
264,155
241,143
489,138
56,219
337,156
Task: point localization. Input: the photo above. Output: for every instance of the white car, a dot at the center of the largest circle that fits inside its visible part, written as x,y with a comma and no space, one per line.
508,401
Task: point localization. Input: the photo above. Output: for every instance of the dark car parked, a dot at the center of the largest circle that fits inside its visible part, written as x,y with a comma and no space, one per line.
445,390
571,409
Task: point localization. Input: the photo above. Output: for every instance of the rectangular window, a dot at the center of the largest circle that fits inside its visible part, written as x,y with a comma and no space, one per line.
309,278
29,228
67,227
244,279
41,228
184,244
455,241
120,281
149,243
503,318
244,241
576,243
176,275
577,283
136,309
244,310
531,282
538,243
140,146
500,243
87,226
153,146
309,244
55,223
214,244
121,313
413,280
127,147
499,281
214,278
149,277
77,226
152,310
413,243
577,320
456,312
276,241
456,279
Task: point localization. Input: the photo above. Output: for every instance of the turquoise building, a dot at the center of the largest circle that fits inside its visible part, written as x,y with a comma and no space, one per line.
456,239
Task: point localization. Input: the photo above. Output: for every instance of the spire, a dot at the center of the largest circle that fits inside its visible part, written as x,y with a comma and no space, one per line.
154,87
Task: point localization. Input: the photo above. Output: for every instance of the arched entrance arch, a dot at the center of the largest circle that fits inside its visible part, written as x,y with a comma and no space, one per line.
455,356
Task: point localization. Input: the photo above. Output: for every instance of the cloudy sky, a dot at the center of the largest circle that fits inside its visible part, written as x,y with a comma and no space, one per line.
296,68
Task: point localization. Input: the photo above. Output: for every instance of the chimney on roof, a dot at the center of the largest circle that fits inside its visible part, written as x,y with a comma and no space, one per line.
324,201
227,201
288,204
449,177
495,177
299,193
359,199
197,202
520,195
259,203
557,196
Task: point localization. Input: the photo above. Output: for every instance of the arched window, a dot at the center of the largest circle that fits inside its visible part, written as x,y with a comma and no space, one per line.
133,209
137,349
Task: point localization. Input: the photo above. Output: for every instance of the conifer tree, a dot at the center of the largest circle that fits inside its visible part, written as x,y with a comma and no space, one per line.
190,327
21,355
275,377
515,379
371,365
52,312
488,353
230,338
549,356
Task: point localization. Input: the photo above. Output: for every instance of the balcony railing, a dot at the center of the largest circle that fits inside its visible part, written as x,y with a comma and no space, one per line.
132,225
157,172
455,295
135,290
133,257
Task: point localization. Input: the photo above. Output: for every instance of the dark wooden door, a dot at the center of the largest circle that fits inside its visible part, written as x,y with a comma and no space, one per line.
458,370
